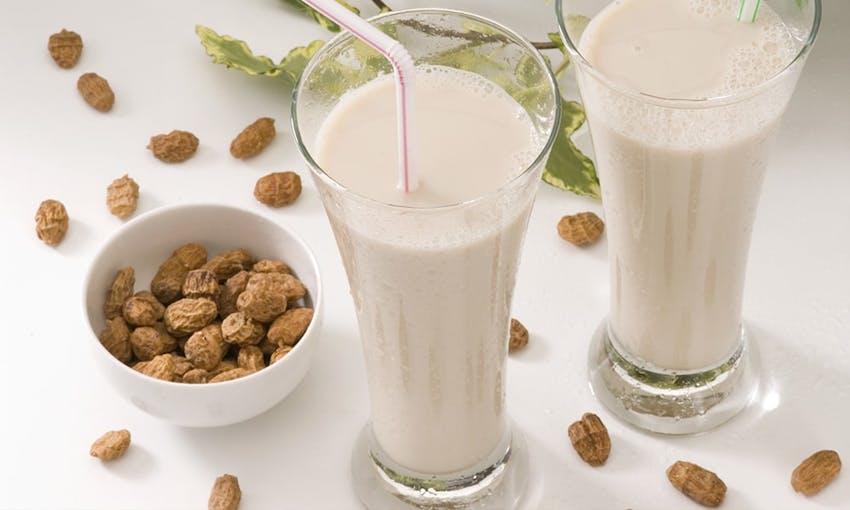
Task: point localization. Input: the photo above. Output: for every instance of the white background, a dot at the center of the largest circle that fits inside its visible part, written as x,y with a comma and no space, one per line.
53,403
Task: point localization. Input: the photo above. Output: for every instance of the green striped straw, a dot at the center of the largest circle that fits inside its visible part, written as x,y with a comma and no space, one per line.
748,11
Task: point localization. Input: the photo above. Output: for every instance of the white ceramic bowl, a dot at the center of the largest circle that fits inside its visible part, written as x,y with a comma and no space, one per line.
144,243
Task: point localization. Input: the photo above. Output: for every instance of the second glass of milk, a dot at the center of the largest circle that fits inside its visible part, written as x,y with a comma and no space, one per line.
432,271
683,102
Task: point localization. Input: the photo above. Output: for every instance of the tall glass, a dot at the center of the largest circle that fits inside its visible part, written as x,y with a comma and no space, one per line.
680,184
432,286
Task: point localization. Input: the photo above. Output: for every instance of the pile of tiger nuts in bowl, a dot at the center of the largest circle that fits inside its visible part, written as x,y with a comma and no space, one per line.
203,315
205,321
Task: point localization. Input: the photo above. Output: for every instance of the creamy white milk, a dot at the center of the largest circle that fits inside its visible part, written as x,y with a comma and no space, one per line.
432,291
681,183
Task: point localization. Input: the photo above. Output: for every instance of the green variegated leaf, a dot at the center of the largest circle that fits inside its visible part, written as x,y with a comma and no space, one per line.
567,168
295,61
235,53
555,37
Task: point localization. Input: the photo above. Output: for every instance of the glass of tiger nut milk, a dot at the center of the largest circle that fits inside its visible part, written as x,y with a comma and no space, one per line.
432,271
683,100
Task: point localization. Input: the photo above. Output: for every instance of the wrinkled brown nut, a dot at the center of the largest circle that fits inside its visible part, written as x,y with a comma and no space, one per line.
230,375
816,472
204,348
250,358
187,315
590,439
278,189
200,283
115,338
120,290
168,281
271,266
293,288
141,311
111,445
239,329
175,147
122,197
290,327
519,336
230,291
51,222
65,47
264,297
160,367
181,365
224,265
697,483
279,353
149,342
96,91
196,376
253,139
225,494
581,229
267,346
191,255
225,365
150,298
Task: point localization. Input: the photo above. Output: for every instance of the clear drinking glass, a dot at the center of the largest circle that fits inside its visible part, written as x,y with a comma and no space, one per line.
679,201
432,286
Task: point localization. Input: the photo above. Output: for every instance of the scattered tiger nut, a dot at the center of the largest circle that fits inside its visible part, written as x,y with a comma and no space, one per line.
122,197
239,329
187,315
225,494
278,189
590,439
112,445
96,91
174,147
253,139
581,229
290,327
51,222
115,338
65,47
200,283
519,336
697,483
816,472
119,291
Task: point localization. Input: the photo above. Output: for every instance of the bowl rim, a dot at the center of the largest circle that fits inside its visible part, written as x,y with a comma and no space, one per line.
154,214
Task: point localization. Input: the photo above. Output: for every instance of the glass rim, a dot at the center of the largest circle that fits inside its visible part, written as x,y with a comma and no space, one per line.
707,102
345,36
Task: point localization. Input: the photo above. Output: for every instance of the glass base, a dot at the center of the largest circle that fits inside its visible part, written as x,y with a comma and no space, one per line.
500,486
666,401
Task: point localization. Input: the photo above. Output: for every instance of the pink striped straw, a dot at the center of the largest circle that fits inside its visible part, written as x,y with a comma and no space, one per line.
404,70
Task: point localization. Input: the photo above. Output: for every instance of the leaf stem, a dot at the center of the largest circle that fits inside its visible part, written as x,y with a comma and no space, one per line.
548,45
381,5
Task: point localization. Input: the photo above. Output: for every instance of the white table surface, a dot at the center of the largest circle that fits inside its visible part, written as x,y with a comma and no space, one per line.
54,403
